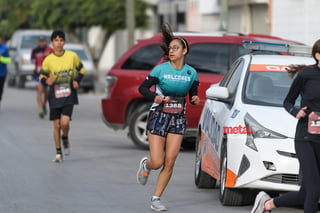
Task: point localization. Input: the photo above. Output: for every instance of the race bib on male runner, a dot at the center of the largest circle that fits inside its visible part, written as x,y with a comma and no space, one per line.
62,90
174,106
314,123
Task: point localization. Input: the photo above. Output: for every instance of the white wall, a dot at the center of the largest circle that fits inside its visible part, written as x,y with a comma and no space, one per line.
296,20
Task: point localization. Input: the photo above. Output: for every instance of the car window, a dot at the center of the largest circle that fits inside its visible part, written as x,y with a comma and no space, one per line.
234,78
267,88
31,41
81,53
209,57
144,58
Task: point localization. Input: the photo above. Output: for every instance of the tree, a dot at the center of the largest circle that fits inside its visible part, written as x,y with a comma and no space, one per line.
68,14
13,15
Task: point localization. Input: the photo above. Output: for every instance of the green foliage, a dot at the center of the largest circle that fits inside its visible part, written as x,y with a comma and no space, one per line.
67,14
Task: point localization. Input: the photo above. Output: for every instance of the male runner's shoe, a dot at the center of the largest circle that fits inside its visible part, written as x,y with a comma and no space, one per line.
143,172
157,205
66,146
41,113
258,206
58,158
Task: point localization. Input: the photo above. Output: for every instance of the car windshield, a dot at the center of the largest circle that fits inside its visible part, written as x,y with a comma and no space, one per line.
267,87
31,41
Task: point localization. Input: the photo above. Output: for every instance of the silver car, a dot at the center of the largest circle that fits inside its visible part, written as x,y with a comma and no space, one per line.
88,80
20,46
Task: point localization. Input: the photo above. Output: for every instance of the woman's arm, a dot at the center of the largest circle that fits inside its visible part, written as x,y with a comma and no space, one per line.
144,88
292,95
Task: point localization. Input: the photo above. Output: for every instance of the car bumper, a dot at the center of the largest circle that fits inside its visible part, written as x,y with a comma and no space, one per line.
87,80
274,167
111,115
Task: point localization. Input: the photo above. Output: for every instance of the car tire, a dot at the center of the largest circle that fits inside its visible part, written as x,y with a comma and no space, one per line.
228,196
11,81
137,126
201,178
21,81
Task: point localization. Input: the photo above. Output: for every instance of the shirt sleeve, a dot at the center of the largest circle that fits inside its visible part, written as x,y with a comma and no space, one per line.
144,88
44,71
194,87
293,94
4,56
80,69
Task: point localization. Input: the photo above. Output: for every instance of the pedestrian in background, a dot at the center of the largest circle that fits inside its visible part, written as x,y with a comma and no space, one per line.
37,56
4,60
166,122
62,71
307,138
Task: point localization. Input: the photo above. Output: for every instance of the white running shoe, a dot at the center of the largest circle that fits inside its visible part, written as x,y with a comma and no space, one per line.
58,158
157,205
143,173
258,206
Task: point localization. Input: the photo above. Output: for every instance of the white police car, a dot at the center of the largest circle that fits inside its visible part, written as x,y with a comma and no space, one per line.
245,136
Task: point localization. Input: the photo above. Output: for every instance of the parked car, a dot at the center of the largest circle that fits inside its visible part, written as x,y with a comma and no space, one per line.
210,54
20,46
245,137
88,80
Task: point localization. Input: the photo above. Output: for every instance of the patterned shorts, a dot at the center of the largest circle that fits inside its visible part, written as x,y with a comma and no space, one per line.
160,123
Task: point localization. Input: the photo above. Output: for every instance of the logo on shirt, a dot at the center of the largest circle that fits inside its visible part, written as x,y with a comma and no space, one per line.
177,77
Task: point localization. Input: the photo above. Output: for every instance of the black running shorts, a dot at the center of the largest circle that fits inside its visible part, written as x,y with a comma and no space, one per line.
55,113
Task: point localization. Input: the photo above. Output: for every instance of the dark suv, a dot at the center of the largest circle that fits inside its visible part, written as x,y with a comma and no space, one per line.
210,54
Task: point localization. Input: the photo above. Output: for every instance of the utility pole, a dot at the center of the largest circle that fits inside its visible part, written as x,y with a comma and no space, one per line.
130,21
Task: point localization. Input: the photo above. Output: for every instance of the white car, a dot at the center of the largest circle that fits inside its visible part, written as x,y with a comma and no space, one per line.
88,80
245,136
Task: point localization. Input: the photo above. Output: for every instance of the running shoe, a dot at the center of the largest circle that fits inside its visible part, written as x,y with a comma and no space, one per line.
41,113
66,146
157,205
143,172
258,206
58,158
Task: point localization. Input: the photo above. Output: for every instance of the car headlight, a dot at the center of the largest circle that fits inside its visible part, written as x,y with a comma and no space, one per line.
258,131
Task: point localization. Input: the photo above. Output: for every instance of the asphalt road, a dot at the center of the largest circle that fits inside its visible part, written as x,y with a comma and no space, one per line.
98,177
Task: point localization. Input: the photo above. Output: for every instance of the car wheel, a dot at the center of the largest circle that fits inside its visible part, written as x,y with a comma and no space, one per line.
11,81
228,196
21,81
201,178
137,127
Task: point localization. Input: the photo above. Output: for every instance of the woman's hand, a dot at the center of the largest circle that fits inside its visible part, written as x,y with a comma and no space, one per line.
195,100
301,113
158,99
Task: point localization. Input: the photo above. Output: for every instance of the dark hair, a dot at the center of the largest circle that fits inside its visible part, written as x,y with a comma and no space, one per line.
294,69
58,33
167,37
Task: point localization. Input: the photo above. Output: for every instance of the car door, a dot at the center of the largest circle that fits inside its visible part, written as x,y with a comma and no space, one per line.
214,116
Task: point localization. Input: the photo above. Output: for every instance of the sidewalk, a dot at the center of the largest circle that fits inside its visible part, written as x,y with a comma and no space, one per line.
100,82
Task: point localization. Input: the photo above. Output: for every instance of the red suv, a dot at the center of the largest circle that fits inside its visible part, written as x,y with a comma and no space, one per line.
210,54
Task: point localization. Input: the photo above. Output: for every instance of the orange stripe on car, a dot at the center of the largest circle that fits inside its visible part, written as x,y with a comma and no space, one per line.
268,67
230,179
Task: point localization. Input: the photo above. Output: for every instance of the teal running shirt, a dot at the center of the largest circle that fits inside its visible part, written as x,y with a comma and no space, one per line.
174,82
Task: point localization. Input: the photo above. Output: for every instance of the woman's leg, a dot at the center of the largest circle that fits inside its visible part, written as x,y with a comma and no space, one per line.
308,194
172,148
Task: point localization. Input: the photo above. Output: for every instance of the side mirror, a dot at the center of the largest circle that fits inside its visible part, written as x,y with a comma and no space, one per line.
218,93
